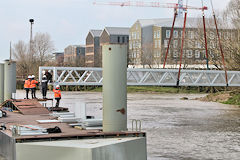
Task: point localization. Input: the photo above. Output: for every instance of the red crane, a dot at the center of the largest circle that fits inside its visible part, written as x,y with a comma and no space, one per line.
149,4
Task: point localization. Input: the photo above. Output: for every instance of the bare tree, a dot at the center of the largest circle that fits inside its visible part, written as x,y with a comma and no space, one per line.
20,54
42,50
147,55
232,14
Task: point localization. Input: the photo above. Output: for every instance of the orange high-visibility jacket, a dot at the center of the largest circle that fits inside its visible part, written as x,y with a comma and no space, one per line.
57,93
27,83
34,84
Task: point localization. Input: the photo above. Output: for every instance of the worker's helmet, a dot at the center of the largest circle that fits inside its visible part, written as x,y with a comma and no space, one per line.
29,77
33,76
57,86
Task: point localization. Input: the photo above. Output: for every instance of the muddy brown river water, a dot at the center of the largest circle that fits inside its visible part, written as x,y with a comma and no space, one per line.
176,129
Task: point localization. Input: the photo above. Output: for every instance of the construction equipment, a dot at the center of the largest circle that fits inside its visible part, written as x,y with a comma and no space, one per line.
149,4
181,7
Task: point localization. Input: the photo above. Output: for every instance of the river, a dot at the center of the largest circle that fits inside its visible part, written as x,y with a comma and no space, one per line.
176,129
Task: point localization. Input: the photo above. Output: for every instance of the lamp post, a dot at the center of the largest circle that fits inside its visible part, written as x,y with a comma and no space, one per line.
30,45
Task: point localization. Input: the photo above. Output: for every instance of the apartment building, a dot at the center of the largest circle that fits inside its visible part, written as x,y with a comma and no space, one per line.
149,39
114,35
74,55
59,58
93,48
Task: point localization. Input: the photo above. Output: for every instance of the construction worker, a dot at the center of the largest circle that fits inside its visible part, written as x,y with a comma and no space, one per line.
57,95
33,86
44,84
27,85
48,75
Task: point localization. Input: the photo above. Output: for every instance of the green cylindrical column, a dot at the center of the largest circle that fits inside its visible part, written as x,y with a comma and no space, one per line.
114,88
9,79
1,83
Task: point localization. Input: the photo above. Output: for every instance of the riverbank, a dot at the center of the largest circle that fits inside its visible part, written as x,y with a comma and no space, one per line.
226,97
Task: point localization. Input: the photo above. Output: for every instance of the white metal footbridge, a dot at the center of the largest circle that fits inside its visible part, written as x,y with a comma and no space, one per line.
144,77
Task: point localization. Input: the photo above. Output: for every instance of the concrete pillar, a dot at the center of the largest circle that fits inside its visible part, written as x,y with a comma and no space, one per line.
9,79
114,88
1,83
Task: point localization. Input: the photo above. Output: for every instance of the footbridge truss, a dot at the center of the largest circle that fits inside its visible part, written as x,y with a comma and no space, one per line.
143,77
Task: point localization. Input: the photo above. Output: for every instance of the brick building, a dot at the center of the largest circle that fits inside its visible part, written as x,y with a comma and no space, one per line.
114,35
74,55
59,58
93,48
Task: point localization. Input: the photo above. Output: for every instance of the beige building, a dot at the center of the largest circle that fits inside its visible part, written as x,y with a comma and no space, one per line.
148,42
74,55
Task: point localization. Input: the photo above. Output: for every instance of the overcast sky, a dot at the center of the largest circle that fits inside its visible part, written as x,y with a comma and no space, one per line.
68,21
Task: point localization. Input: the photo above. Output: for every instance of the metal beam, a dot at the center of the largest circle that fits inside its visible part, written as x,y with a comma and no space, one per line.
144,77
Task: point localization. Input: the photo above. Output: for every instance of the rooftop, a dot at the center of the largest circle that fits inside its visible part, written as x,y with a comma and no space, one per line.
96,33
117,30
190,23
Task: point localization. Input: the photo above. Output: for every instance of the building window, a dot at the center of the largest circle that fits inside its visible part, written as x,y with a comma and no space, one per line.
130,45
118,39
158,34
167,33
137,45
189,53
212,44
156,43
158,53
155,34
228,35
175,34
165,43
190,44
175,43
159,43
211,35
155,53
197,54
190,34
123,39
198,44
183,55
175,53
138,37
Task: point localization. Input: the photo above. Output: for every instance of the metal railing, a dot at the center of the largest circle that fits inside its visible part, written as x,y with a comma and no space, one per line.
144,77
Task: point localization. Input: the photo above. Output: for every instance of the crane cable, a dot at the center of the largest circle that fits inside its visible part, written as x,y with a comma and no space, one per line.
220,44
170,38
183,37
205,36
